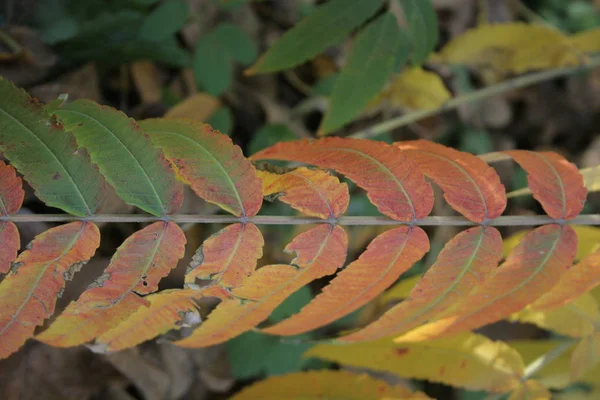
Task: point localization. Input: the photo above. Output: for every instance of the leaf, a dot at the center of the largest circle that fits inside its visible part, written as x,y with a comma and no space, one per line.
327,25
139,173
532,269
215,53
479,196
211,164
582,315
586,244
222,120
464,263
587,41
591,181
401,290
579,279
135,269
417,89
165,20
555,182
228,256
423,27
11,199
465,360
386,258
166,310
392,181
199,106
586,356
310,191
269,135
530,390
320,251
47,156
315,385
514,47
28,293
370,63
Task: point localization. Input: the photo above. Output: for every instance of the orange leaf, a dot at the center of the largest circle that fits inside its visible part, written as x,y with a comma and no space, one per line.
392,181
214,167
581,278
28,294
11,199
167,310
464,263
532,269
228,256
137,266
320,251
470,186
554,182
313,192
386,257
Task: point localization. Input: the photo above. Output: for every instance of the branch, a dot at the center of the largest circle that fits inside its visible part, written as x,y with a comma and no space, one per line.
509,220
505,86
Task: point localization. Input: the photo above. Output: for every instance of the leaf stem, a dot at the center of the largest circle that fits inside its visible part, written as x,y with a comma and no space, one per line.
508,220
470,97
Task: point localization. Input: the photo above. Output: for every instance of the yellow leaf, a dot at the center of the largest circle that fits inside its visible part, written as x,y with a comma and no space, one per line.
146,78
415,88
401,290
512,48
575,319
530,390
318,385
199,106
586,356
588,236
465,360
587,41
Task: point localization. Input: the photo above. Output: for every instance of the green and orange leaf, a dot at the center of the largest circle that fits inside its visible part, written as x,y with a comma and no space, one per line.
554,182
318,385
47,156
464,263
386,258
310,191
209,162
470,186
135,269
320,251
532,269
393,182
138,171
228,256
465,360
28,293
11,199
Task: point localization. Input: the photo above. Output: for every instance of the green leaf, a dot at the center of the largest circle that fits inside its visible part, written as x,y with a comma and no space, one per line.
328,25
370,64
222,120
236,43
139,172
423,26
269,135
46,155
165,20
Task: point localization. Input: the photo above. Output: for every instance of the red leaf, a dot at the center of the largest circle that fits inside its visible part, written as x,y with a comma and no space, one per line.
470,186
393,182
28,294
11,190
386,258
554,182
10,242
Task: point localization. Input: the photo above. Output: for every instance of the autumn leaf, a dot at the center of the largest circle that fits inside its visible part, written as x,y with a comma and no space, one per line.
530,390
228,256
384,260
28,293
135,269
11,199
210,163
586,355
310,191
464,360
480,196
415,89
199,106
392,181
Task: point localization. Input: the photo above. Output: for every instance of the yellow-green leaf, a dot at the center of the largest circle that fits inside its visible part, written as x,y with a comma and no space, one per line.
585,356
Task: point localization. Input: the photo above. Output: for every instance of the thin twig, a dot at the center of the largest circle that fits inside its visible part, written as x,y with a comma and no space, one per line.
470,97
509,220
